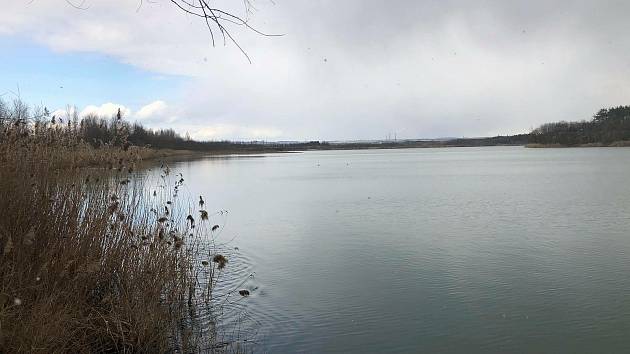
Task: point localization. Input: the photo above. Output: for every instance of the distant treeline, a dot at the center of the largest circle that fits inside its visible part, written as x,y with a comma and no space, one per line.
98,131
520,139
609,126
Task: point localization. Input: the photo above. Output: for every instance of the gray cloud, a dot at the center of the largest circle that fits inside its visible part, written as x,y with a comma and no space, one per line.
364,69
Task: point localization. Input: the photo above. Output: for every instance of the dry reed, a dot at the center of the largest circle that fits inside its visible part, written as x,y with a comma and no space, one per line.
87,263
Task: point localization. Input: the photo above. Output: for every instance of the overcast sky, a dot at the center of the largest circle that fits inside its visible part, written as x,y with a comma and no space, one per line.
347,69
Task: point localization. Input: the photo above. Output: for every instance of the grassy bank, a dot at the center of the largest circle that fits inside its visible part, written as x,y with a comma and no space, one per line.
90,261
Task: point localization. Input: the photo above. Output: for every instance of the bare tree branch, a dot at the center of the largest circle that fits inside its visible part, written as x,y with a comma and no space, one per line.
220,19
80,6
214,19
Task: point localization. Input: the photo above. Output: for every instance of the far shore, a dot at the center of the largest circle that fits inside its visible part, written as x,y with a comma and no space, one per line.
171,154
624,143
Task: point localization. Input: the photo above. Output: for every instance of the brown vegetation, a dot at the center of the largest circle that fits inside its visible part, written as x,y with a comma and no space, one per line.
85,265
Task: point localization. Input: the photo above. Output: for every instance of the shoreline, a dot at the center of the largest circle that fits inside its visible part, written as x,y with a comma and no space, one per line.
182,155
170,154
615,144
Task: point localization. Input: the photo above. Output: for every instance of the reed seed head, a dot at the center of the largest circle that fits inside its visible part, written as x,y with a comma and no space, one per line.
220,260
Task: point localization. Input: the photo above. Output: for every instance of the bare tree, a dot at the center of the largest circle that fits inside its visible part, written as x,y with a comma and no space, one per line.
218,20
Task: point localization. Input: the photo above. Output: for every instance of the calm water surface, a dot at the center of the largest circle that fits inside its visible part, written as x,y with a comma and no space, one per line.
463,250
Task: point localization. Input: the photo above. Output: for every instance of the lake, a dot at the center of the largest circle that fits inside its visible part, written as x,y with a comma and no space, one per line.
454,250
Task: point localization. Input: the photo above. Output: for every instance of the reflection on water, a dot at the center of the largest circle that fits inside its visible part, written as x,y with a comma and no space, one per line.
487,250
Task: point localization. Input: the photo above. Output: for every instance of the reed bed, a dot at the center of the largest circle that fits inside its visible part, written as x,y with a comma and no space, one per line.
92,260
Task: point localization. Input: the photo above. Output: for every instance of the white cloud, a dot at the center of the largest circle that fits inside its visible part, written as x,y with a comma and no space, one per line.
211,132
158,114
65,113
263,133
106,110
228,131
152,110
412,67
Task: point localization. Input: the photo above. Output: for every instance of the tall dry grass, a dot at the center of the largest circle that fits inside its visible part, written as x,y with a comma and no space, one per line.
89,260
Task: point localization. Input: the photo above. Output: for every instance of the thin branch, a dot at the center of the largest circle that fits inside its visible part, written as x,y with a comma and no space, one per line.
220,19
208,24
80,6
213,18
